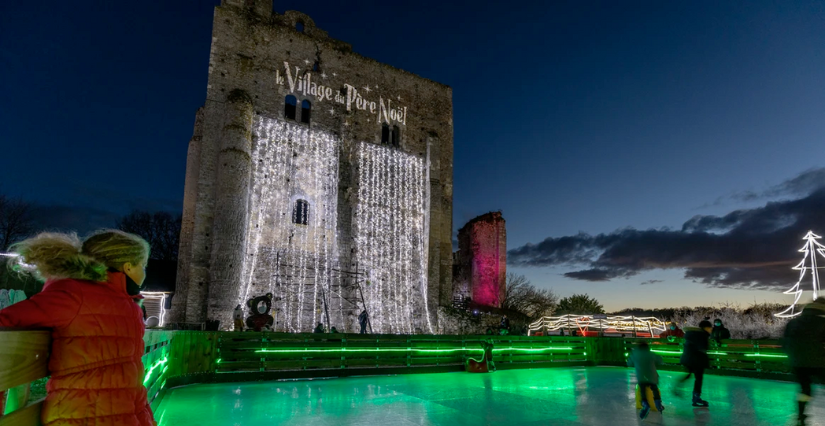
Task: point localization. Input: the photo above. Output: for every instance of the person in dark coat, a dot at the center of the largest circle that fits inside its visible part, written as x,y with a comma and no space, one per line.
695,358
362,320
719,332
505,324
319,328
803,341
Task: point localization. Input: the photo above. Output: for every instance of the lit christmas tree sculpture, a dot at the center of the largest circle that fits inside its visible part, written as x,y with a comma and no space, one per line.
811,249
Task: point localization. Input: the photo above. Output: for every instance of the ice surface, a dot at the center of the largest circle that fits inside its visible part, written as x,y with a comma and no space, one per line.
559,396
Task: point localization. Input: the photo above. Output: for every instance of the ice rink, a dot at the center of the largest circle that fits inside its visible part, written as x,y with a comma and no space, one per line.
556,396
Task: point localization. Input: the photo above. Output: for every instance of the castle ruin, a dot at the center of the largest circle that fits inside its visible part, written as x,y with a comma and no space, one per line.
317,175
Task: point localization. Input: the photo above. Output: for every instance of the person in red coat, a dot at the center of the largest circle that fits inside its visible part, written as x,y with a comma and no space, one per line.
90,304
672,331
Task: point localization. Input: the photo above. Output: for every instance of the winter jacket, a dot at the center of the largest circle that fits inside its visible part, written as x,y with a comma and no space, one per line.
5,298
97,344
720,333
804,338
645,362
675,333
695,353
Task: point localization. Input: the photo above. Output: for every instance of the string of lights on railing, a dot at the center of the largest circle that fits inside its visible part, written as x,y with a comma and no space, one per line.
619,323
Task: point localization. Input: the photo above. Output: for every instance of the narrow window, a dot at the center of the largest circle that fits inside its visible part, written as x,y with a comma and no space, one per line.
316,67
385,133
305,110
299,26
396,136
301,212
290,107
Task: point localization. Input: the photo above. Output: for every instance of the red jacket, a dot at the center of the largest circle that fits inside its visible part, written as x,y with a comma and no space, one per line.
97,344
675,333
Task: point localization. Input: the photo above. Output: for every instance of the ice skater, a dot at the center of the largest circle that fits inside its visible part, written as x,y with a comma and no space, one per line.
803,341
647,377
695,358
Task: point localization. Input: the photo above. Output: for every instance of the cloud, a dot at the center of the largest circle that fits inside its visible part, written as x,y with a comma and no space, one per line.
648,282
747,248
805,183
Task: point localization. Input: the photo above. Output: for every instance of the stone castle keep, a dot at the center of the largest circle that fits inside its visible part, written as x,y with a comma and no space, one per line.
317,175
480,264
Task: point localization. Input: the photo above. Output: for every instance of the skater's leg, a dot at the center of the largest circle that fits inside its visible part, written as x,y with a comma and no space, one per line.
700,378
656,393
645,405
697,388
657,398
805,377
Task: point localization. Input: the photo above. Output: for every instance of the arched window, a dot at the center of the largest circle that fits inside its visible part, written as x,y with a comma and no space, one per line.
299,26
385,133
290,107
300,213
396,136
305,109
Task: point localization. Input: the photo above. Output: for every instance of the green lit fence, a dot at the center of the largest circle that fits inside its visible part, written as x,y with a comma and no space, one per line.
245,352
173,358
752,358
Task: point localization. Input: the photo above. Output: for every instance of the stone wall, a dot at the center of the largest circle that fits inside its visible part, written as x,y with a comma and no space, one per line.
257,59
480,264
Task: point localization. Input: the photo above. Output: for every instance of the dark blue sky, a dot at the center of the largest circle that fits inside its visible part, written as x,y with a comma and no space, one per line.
569,116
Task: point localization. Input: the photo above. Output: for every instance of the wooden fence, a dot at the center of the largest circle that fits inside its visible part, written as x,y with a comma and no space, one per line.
276,352
173,358
751,358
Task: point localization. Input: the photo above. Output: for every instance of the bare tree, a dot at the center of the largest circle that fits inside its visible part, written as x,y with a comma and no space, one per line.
522,296
16,220
160,229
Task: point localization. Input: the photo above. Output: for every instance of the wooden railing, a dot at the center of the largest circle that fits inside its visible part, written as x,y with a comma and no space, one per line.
280,352
24,358
173,358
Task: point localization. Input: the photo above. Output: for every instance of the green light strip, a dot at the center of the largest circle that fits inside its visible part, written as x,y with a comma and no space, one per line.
148,374
768,355
564,348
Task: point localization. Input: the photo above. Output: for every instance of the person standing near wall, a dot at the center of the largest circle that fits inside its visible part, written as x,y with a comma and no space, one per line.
90,304
362,321
695,358
803,341
237,317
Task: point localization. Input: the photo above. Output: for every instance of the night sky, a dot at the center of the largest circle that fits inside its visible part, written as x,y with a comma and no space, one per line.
647,153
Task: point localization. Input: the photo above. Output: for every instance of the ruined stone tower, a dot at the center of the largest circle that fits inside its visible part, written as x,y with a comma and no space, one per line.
317,175
481,260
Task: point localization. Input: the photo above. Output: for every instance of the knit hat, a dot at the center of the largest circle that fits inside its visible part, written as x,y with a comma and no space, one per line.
705,324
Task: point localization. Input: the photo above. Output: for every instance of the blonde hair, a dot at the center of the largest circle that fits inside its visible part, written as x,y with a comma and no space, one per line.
57,255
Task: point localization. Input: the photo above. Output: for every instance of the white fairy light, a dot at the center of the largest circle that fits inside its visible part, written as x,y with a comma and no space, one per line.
387,223
811,248
390,223
619,323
